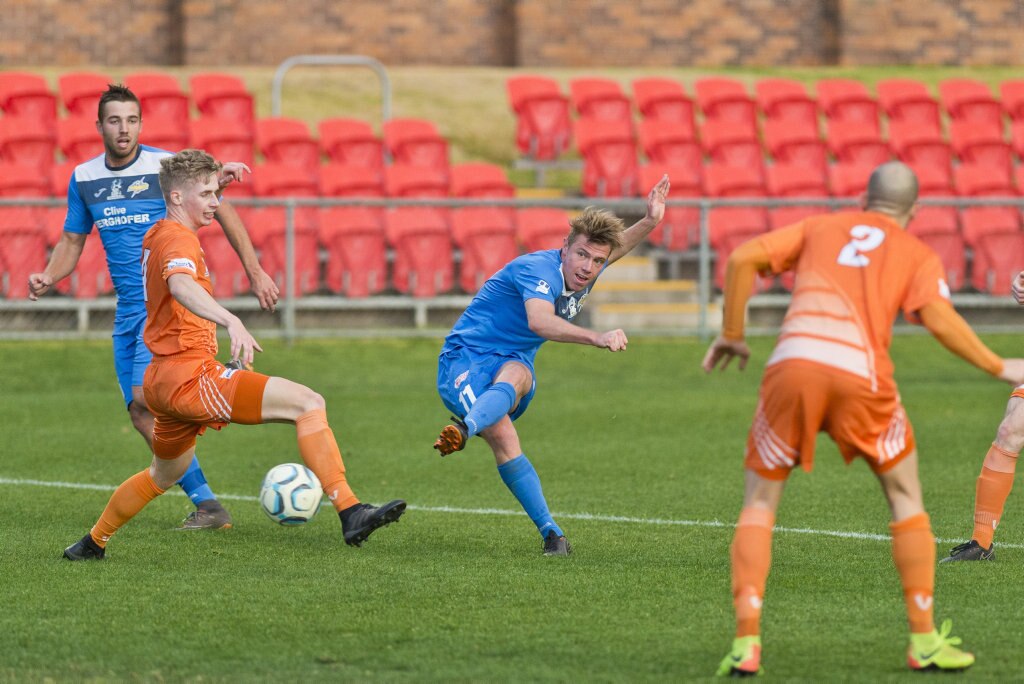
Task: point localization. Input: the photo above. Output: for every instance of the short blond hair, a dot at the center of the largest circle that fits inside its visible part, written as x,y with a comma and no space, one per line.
598,226
187,166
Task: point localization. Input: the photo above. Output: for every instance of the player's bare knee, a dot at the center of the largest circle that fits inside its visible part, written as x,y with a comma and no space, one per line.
308,400
1010,434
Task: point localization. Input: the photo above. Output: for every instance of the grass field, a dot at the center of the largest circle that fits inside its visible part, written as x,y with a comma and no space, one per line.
640,457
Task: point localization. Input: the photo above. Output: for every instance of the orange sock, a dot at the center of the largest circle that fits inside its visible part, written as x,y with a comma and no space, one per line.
320,451
127,500
913,549
751,558
991,491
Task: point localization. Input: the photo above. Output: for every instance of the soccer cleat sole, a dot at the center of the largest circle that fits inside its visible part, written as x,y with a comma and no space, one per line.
450,441
389,515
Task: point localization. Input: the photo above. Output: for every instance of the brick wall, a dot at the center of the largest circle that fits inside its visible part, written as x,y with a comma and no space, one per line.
531,33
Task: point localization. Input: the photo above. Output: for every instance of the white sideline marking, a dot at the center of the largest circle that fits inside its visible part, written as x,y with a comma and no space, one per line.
501,511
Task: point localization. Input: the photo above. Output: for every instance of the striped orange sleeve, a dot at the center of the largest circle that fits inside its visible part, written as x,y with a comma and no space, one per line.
952,331
740,271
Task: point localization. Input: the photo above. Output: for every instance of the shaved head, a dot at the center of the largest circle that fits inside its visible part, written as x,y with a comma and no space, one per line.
892,190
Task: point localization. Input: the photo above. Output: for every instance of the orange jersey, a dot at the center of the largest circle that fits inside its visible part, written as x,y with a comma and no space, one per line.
170,248
854,272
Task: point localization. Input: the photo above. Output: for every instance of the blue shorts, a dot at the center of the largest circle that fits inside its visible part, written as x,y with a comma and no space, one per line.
463,375
131,356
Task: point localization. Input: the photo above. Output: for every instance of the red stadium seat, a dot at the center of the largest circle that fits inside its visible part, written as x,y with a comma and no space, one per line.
22,249
423,265
933,180
166,135
78,139
793,142
222,138
543,126
91,277
847,100
966,99
416,142
782,99
600,98
60,178
728,228
226,271
28,142
351,142
980,145
854,143
680,229
20,180
726,180
916,145
908,100
540,228
223,96
663,99
409,180
940,230
671,142
995,236
1018,178
269,225
487,239
849,180
731,143
609,157
1011,91
161,96
796,180
344,180
726,99
356,247
1017,137
478,179
285,140
28,95
980,180
80,92
780,217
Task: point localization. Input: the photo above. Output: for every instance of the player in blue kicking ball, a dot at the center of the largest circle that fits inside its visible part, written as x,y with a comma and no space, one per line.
485,372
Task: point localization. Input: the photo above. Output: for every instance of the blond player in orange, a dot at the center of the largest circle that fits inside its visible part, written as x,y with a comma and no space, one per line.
830,371
188,390
995,481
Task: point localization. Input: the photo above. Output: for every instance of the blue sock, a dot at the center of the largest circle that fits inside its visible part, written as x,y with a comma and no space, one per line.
520,477
194,483
490,407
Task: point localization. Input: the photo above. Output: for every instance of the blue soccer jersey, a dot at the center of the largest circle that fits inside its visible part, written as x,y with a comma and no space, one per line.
123,203
495,321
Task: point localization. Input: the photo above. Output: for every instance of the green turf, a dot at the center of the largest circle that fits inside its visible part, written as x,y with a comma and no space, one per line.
467,597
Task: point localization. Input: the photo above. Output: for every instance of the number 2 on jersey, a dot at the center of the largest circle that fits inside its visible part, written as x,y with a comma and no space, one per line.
863,239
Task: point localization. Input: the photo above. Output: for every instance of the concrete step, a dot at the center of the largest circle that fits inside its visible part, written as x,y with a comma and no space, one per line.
644,292
630,268
658,316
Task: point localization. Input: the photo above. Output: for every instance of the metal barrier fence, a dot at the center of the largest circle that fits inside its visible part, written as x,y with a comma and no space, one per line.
61,316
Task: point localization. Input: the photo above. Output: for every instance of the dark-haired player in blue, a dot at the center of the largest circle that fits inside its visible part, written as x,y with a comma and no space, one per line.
485,372
119,192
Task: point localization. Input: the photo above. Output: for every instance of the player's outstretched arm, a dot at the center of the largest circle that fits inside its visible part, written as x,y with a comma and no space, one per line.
193,297
952,331
635,234
722,351
66,254
540,315
262,285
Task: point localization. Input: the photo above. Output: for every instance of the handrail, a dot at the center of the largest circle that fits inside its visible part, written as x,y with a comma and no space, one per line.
332,60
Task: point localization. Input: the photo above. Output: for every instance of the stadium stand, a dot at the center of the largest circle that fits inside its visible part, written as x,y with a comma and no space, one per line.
671,142
939,228
80,92
844,99
480,179
28,95
609,157
600,98
223,139
267,225
680,229
423,265
726,100
416,142
543,124
20,180
663,99
409,180
60,177
727,142
91,277
849,180
285,140
796,180
919,145
161,96
351,142
853,142
997,242
966,99
22,249
908,100
730,226
78,139
980,180
976,144
781,99
1011,94
793,142
226,272
27,141
487,239
541,228
167,135
223,96
1017,138
356,246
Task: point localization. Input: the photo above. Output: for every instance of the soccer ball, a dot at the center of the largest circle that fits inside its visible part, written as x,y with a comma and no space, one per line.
290,494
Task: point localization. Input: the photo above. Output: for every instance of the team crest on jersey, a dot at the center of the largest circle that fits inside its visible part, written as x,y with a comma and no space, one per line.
461,379
115,190
181,263
137,186
543,287
571,305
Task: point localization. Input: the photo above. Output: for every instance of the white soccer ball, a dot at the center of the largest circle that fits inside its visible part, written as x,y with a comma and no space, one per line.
290,494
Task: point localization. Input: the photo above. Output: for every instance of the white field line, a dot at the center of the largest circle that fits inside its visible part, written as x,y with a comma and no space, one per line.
500,511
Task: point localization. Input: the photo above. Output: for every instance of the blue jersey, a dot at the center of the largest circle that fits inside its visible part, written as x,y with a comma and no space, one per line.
123,203
495,321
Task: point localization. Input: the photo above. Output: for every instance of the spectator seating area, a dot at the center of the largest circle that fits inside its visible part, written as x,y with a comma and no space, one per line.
784,140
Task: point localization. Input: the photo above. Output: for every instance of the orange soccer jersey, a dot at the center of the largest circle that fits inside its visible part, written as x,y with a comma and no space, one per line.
830,369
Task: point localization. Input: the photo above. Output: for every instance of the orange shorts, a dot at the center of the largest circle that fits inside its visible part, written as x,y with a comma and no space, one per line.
188,393
800,399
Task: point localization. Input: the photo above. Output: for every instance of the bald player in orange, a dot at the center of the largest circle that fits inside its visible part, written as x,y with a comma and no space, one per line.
830,371
188,390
